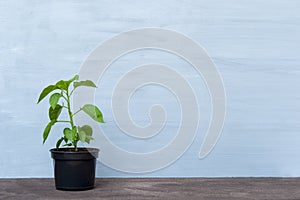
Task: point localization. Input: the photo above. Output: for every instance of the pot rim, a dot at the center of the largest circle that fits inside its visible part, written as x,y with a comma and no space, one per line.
87,150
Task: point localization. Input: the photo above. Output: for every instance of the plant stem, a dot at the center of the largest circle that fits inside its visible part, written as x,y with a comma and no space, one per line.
69,110
62,94
71,117
77,111
63,121
72,91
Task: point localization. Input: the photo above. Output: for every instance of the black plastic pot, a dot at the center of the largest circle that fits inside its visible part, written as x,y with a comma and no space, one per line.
74,170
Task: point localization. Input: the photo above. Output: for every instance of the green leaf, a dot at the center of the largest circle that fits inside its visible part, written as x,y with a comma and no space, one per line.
70,134
54,113
47,130
75,78
88,138
87,83
46,91
64,85
66,140
59,142
87,129
82,136
93,112
53,100
85,133
70,144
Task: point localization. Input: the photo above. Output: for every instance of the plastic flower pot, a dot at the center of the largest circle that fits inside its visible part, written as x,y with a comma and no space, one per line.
74,170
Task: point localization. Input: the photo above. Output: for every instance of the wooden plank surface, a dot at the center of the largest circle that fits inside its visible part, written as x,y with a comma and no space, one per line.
157,188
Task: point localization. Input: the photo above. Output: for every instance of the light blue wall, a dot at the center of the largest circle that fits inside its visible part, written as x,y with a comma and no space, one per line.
255,45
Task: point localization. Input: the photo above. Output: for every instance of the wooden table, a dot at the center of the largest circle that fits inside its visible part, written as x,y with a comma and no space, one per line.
157,188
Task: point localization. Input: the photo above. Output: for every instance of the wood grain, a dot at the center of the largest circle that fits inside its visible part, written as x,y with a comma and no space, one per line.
158,188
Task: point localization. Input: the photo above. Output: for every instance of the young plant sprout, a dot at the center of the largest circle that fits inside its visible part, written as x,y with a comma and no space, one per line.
60,100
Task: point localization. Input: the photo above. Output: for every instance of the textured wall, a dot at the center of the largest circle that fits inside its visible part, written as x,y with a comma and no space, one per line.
255,45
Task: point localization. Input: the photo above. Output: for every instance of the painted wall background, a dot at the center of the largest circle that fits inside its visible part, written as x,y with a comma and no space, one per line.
255,45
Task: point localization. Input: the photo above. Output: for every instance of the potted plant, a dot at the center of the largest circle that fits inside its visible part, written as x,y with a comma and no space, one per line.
74,167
